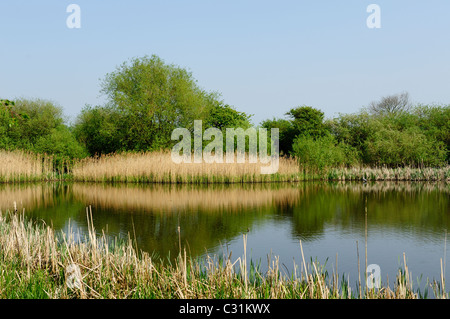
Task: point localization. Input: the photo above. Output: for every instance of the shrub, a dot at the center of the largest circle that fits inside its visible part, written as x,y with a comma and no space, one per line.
318,154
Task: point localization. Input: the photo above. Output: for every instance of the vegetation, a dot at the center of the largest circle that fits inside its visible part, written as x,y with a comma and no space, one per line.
128,139
158,167
38,126
147,99
22,166
397,135
37,263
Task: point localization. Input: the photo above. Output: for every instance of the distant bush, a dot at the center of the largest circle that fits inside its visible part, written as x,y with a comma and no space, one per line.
409,147
417,137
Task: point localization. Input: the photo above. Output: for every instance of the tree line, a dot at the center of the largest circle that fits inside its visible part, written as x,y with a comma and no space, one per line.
147,99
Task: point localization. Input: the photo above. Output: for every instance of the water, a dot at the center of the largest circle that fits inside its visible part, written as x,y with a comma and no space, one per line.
329,220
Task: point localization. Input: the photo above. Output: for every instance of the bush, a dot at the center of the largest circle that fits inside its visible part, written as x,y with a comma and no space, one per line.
411,147
318,154
420,136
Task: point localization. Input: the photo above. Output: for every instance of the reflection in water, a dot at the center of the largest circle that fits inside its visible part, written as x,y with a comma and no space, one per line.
169,199
327,217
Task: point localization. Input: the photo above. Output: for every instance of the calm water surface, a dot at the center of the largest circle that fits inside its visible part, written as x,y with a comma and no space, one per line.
330,220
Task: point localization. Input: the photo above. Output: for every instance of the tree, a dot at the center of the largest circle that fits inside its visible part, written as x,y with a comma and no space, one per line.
38,125
307,121
99,128
391,105
154,98
62,145
287,133
42,117
224,116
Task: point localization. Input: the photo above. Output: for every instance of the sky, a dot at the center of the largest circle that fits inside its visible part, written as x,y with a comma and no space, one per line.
263,57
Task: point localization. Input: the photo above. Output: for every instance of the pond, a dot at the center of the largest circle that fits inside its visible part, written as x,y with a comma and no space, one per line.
334,222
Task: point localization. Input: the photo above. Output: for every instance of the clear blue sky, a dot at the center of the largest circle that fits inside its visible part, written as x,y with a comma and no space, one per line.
264,57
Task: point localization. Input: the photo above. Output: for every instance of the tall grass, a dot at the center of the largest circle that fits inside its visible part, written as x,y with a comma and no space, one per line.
20,166
389,174
37,263
158,167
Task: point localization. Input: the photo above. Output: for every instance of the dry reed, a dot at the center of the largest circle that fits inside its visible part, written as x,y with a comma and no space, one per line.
19,166
159,167
100,268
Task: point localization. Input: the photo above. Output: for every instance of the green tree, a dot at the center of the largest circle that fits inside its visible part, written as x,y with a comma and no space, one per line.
302,121
62,144
392,147
287,133
434,121
224,116
308,121
154,98
99,128
419,136
38,125
42,117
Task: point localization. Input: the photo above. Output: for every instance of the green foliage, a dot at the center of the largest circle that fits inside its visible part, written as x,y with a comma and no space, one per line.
307,121
148,99
43,116
303,121
61,143
224,116
99,129
434,121
38,126
420,136
286,133
154,98
391,147
320,153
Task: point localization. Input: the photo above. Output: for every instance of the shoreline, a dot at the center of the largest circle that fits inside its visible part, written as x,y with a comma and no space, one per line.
39,264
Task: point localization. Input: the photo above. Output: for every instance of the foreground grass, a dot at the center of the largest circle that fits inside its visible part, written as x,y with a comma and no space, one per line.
37,263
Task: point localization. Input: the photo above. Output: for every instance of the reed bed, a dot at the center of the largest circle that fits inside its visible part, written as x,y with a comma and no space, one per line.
429,174
22,166
158,167
37,263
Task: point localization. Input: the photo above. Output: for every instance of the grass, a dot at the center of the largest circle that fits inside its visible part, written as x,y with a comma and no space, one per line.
37,263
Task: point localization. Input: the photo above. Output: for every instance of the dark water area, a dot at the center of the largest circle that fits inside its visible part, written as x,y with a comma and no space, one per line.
334,222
